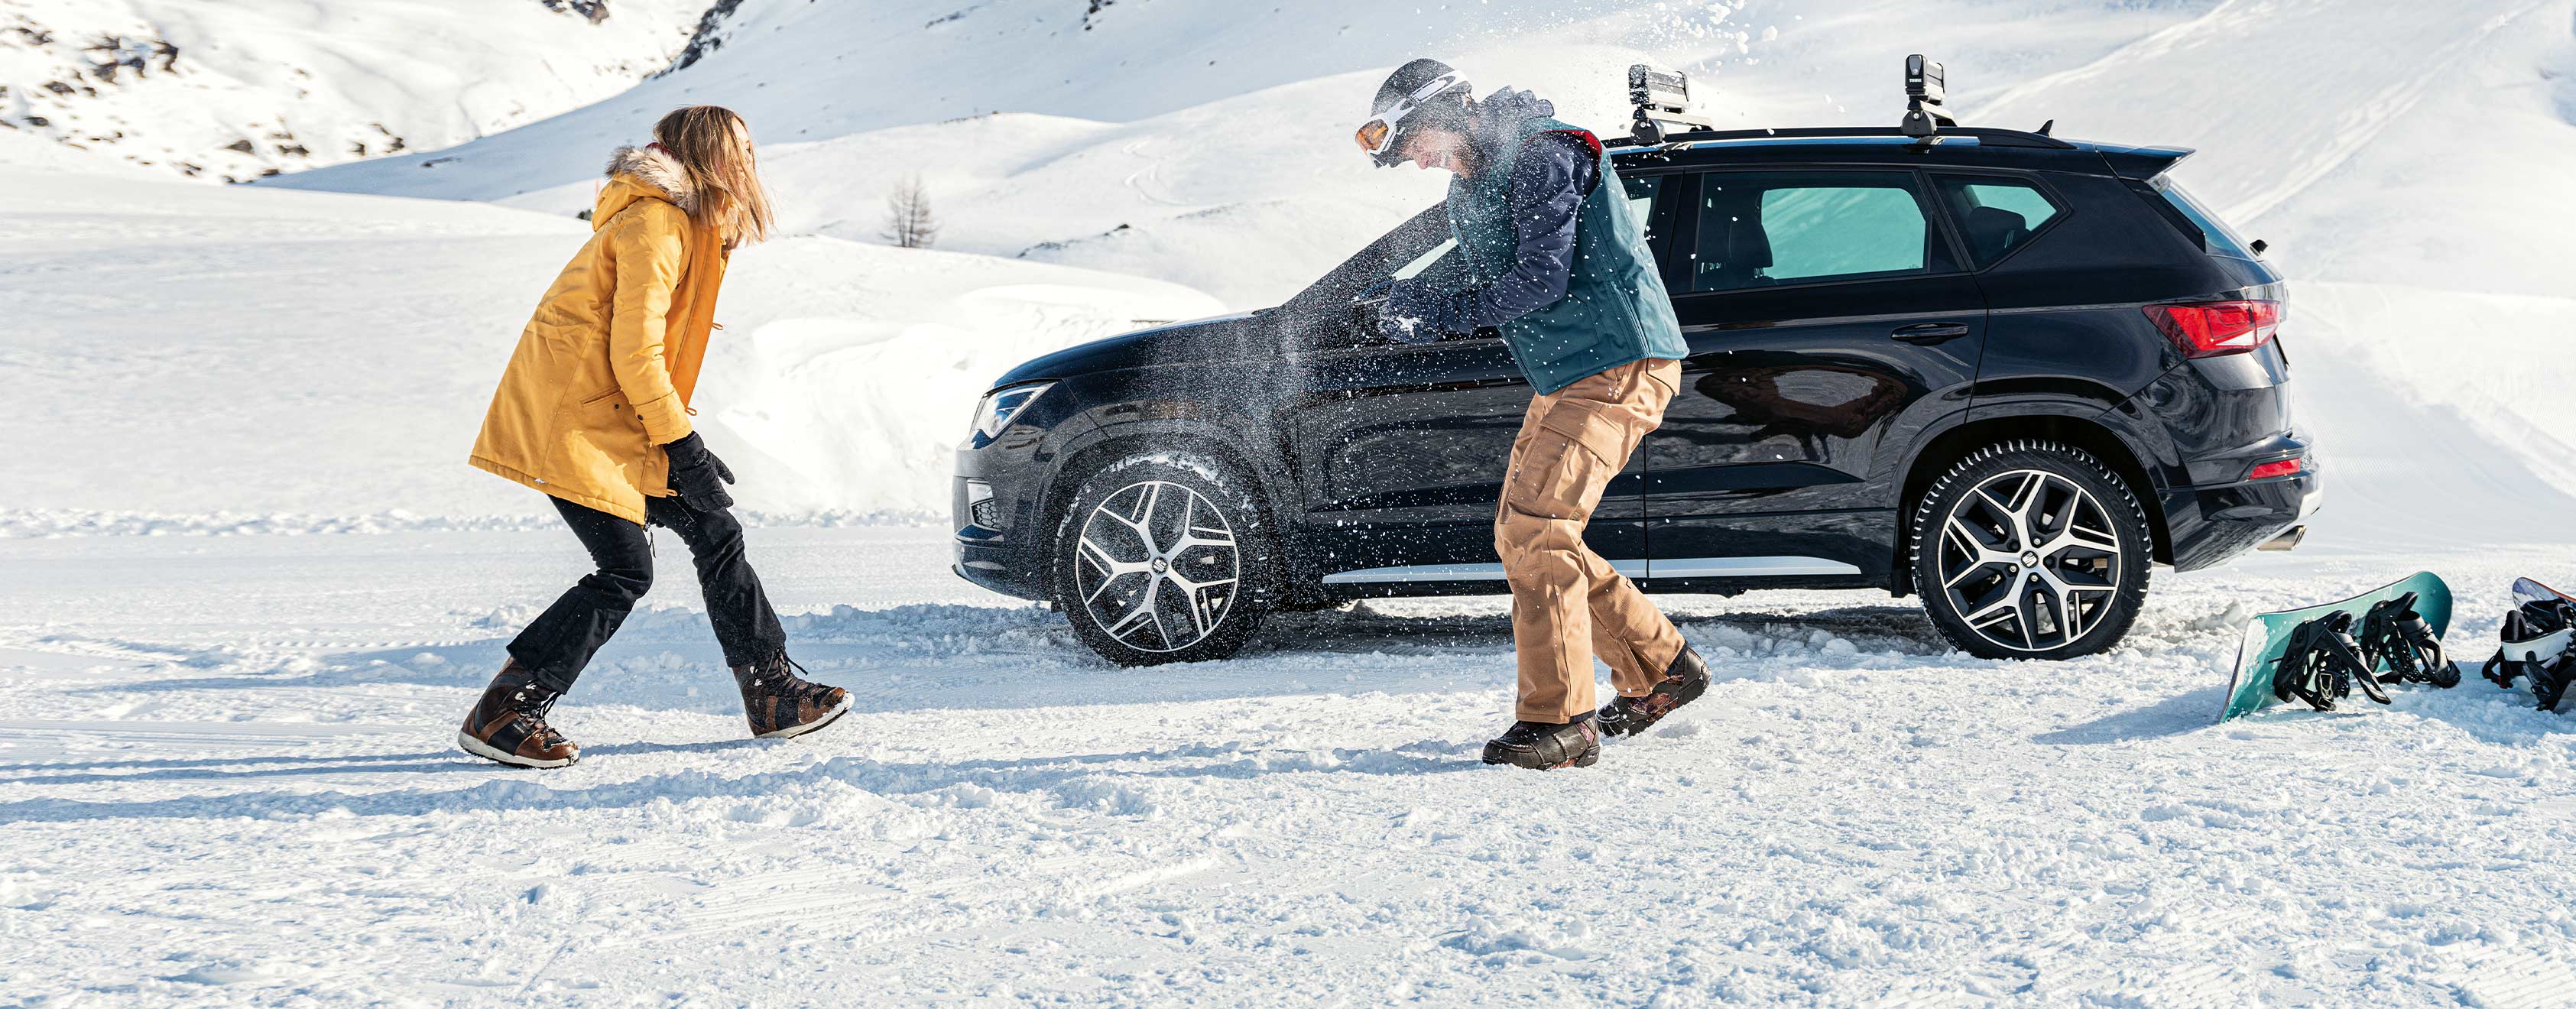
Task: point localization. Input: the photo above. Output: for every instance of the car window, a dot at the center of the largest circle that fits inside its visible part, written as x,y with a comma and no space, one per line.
2221,238
1996,215
1759,229
1641,201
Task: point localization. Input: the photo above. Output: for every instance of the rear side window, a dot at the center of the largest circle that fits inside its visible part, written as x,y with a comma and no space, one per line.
1759,229
2220,238
1996,215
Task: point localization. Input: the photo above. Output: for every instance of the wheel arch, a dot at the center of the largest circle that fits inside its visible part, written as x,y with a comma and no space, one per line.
1943,450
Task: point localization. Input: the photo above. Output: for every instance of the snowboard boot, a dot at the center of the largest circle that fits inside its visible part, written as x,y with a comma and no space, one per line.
508,726
1682,683
1540,746
782,705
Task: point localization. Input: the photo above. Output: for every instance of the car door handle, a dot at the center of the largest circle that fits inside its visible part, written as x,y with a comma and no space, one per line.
1929,332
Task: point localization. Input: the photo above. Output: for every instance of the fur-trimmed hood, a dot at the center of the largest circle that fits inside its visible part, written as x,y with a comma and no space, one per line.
649,168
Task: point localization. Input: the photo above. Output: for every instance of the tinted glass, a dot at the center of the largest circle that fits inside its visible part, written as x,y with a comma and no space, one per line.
1996,215
2221,239
1641,200
1759,229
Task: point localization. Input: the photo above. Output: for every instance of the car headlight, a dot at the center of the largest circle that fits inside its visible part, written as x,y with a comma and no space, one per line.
999,407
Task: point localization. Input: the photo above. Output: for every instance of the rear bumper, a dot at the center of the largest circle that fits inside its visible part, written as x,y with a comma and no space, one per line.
2212,524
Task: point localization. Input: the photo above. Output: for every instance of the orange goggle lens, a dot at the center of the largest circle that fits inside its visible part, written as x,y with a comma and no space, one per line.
1372,135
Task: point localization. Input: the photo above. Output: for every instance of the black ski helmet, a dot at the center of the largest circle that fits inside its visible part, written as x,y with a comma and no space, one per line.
1424,92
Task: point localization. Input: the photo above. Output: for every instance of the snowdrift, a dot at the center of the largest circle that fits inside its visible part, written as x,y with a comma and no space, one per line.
183,358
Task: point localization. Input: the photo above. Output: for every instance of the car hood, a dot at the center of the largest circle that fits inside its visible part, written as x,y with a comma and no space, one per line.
1221,338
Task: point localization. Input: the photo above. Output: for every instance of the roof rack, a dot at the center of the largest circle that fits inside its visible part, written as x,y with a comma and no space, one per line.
1988,135
1925,90
1663,102
1666,117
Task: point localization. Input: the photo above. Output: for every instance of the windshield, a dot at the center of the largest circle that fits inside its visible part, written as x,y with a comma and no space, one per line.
1413,247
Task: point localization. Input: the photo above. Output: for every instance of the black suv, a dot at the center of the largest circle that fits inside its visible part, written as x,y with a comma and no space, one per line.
1998,369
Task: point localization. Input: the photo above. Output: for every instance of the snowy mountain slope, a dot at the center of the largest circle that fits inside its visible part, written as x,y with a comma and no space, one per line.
233,89
2381,175
1127,124
243,354
2407,169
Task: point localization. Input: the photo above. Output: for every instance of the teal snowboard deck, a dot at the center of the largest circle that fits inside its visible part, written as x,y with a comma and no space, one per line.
2267,635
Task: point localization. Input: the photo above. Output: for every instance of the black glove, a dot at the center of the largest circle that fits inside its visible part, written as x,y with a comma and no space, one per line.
1420,313
695,473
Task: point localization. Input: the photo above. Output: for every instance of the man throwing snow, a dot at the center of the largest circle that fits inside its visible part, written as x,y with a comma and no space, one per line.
1555,258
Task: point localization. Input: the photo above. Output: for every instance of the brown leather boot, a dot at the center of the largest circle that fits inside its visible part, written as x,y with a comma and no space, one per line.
508,725
782,705
1682,684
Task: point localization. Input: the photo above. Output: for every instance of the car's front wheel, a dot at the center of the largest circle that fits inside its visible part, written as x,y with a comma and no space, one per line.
1165,558
2031,550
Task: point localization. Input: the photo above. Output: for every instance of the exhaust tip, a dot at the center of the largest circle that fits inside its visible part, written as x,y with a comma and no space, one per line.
2288,540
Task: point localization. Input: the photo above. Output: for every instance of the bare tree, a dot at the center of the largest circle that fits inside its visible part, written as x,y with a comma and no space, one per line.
909,223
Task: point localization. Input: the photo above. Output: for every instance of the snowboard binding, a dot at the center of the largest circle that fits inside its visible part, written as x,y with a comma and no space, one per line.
2322,664
2539,643
2395,636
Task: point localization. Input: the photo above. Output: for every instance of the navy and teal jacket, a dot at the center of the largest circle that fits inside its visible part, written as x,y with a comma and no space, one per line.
1551,253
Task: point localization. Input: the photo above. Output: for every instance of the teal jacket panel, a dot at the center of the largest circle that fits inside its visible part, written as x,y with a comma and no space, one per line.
1615,310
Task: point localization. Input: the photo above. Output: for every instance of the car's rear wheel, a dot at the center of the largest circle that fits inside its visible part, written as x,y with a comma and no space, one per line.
2031,550
1165,558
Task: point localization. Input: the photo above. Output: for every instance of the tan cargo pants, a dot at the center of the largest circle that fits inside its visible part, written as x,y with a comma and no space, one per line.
1567,604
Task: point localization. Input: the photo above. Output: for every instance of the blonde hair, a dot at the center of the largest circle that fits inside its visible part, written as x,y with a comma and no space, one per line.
713,145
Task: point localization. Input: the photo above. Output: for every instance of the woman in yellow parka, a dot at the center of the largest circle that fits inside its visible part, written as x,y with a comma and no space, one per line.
593,411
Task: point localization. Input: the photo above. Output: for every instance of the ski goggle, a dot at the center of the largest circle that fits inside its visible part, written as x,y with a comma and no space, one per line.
1378,133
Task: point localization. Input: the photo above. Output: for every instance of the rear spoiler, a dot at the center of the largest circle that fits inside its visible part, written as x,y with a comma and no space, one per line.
2141,162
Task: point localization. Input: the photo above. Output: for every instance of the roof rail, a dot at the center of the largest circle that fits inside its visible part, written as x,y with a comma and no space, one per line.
1988,135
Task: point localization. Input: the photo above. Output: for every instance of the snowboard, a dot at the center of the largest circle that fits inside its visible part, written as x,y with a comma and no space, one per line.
2527,591
2267,635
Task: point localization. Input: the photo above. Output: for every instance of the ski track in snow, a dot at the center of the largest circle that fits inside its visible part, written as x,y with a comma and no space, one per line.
1854,815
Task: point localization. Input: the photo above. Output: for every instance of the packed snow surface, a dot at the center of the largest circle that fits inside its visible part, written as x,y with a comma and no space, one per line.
227,777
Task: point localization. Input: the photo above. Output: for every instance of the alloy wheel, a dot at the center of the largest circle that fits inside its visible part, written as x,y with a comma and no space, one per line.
2030,561
1156,566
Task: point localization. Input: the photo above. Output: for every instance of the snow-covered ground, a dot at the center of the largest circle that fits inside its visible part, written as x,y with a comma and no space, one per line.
226,778
247,585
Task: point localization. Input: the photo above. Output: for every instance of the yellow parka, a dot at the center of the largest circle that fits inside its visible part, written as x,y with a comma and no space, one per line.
603,372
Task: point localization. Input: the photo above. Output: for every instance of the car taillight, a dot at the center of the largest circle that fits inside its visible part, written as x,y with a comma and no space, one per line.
2283,467
2212,328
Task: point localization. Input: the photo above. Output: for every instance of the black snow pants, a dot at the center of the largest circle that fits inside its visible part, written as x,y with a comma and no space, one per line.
562,639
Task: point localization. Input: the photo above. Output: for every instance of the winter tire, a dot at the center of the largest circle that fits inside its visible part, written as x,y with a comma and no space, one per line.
2030,550
1165,558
